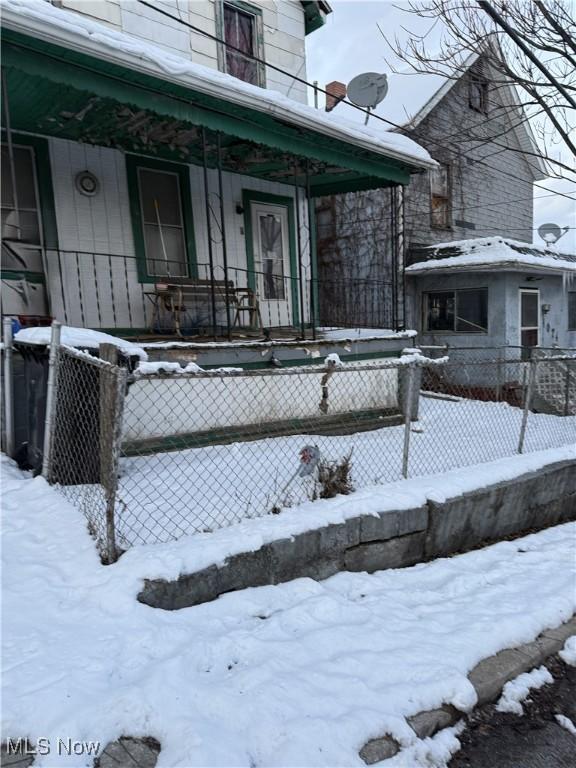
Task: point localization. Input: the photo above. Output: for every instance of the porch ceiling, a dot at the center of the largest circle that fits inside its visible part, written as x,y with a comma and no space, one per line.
59,92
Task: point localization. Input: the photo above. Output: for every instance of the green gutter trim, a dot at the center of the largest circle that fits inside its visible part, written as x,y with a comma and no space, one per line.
125,85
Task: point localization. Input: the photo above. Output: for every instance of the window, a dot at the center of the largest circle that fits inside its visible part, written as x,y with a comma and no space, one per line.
462,311
21,225
478,94
572,311
163,224
241,33
161,212
440,197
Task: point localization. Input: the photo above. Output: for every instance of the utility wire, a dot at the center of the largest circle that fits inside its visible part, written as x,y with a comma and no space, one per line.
275,68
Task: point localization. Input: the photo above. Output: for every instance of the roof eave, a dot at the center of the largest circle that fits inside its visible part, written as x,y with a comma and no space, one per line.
228,91
511,266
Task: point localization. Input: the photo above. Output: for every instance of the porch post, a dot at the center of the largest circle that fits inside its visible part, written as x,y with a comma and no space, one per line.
394,238
401,258
312,250
209,229
300,255
223,224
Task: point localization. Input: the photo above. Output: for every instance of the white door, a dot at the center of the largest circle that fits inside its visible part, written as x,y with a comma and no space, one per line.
271,247
529,317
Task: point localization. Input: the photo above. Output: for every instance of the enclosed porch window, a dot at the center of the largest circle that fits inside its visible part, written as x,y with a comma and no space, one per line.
21,225
161,208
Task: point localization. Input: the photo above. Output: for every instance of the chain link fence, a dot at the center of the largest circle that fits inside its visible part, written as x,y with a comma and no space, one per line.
167,452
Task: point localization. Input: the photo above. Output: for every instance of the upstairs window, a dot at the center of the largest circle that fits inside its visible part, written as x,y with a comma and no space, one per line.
462,311
242,35
441,214
478,94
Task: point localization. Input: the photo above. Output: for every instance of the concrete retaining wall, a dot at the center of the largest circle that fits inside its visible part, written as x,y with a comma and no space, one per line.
391,539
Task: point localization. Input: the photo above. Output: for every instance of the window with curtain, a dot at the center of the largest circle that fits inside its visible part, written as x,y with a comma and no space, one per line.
441,214
240,35
163,223
462,311
272,248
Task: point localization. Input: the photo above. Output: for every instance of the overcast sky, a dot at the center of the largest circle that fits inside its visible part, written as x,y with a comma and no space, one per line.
350,43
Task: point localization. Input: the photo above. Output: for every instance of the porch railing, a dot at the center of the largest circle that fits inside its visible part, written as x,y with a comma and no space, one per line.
110,291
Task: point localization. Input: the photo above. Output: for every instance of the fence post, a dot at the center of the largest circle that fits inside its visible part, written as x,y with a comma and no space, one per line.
527,401
112,392
51,398
8,388
567,389
409,380
499,376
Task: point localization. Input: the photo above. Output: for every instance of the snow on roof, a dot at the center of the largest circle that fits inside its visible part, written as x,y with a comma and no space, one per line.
41,20
80,338
491,252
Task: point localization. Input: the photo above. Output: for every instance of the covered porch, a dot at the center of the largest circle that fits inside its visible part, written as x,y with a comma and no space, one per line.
148,196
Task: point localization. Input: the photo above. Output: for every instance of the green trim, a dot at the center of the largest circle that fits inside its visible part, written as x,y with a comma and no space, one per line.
313,18
30,277
329,424
124,85
133,163
248,197
44,181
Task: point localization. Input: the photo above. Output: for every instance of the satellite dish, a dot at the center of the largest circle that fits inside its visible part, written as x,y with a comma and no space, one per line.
368,90
550,233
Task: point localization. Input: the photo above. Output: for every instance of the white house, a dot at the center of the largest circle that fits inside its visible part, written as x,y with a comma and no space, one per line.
165,162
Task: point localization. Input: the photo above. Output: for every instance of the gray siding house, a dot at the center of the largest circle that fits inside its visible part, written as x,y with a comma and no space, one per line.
479,199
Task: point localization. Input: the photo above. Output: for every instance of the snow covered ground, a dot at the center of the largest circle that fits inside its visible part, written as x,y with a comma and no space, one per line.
299,674
167,495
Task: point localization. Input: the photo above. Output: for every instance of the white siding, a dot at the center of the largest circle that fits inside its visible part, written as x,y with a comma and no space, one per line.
283,32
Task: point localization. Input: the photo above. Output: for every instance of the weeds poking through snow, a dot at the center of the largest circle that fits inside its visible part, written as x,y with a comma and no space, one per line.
333,478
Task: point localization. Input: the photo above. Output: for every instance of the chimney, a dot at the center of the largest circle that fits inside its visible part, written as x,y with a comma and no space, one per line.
336,91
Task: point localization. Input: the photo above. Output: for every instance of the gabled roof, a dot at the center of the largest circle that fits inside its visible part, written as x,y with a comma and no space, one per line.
413,95
491,253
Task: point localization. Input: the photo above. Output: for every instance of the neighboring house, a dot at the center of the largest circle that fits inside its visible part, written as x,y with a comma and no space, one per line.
482,187
493,292
161,185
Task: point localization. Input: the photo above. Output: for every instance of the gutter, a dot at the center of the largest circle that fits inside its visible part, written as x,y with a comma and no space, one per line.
33,27
509,266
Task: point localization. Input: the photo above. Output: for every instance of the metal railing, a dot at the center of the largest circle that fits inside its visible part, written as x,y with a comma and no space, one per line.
168,452
103,290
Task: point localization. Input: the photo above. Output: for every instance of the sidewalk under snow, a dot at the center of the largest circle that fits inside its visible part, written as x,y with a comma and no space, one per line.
299,674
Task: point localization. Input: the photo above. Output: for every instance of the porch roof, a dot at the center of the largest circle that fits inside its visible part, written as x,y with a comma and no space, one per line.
74,78
496,254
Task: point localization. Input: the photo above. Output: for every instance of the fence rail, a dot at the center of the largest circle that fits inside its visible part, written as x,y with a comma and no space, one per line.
165,453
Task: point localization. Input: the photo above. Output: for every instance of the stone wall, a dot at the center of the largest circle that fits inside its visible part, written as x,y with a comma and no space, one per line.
391,539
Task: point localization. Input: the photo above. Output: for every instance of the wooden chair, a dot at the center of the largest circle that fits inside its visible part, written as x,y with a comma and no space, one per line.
246,301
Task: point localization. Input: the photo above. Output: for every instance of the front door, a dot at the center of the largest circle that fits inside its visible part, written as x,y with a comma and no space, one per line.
529,318
271,247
